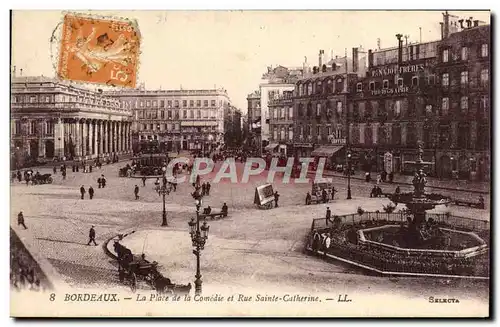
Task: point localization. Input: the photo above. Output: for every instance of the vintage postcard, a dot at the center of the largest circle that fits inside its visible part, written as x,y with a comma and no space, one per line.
250,164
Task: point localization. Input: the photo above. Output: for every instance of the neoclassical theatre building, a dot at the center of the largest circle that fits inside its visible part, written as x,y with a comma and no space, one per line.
57,119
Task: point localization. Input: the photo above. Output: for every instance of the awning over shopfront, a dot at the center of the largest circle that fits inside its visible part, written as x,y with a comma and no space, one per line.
271,146
326,151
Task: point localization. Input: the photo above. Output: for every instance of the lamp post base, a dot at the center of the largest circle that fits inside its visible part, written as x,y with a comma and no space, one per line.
164,219
197,285
349,197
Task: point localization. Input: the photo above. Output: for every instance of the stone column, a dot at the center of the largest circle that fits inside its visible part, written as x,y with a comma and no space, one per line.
85,134
91,138
119,139
375,128
59,138
115,137
101,137
404,127
78,138
362,133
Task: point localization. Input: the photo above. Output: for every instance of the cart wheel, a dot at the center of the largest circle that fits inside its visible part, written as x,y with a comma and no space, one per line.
49,180
133,282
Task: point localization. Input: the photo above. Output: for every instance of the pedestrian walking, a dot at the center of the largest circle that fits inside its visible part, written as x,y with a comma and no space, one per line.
64,174
103,181
276,198
19,176
208,188
143,181
203,189
333,192
308,198
136,192
91,192
224,209
82,191
92,235
324,195
99,182
54,170
328,214
20,220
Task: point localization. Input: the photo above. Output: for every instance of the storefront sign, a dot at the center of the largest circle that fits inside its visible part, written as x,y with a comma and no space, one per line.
303,145
397,90
396,70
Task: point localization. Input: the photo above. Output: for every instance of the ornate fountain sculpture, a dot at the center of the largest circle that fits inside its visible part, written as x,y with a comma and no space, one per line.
417,202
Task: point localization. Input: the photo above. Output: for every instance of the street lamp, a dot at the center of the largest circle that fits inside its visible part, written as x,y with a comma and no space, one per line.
164,192
199,236
349,176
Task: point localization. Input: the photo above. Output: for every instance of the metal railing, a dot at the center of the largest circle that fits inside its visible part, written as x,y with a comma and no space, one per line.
400,217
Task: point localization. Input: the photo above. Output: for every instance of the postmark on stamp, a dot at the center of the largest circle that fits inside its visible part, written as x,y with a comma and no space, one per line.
97,50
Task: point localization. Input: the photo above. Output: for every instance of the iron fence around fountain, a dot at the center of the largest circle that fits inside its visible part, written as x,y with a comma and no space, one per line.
400,217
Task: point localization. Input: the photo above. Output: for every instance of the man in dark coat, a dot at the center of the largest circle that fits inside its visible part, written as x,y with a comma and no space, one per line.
20,220
92,235
136,192
224,209
328,214
82,191
54,170
208,188
203,189
144,181
64,174
91,192
324,196
276,198
19,176
103,181
99,182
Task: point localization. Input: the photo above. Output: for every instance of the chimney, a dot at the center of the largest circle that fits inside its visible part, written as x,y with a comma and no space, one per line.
400,48
370,59
320,58
476,23
442,30
469,22
446,24
355,60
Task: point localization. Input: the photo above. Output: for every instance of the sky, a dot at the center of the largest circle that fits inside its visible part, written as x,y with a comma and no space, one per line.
230,49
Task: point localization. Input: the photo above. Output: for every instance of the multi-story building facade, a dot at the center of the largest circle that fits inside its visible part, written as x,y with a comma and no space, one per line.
233,134
254,120
390,108
281,115
464,102
435,92
177,119
275,82
57,119
320,103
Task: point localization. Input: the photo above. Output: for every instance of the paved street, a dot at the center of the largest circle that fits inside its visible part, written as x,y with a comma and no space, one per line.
250,248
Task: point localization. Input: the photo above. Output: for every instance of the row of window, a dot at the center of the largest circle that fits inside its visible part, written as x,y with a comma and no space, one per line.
282,112
175,103
308,112
43,98
305,131
320,87
441,138
484,78
176,127
464,53
34,127
186,114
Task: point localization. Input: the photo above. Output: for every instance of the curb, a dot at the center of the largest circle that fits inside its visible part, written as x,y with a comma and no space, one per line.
120,237
391,273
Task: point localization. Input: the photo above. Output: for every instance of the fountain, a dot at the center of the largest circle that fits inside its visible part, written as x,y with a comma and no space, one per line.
419,230
409,242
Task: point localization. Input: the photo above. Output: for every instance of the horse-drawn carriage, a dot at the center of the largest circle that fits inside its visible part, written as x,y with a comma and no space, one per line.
132,269
42,179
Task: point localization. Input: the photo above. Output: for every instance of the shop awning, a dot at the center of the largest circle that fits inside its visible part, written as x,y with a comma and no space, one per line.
326,151
271,146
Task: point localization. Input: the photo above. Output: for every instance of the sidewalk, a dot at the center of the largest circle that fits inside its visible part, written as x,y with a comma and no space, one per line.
451,185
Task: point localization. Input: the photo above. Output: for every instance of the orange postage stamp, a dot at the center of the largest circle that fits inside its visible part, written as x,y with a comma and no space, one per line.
99,50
